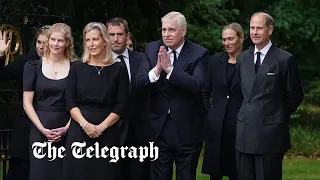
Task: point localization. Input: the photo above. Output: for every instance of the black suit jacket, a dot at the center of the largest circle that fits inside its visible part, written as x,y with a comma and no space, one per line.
222,112
181,93
135,112
270,97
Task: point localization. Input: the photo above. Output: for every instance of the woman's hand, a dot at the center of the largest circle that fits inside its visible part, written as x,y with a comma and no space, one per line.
91,130
100,128
51,135
60,131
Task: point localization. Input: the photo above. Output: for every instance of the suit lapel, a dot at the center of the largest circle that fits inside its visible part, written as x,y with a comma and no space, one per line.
134,65
249,71
263,70
223,68
184,56
235,79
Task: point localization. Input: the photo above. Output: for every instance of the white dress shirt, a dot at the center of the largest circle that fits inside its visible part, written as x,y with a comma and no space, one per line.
263,52
125,55
152,76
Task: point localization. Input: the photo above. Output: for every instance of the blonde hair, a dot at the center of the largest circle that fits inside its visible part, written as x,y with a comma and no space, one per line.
236,27
66,30
105,36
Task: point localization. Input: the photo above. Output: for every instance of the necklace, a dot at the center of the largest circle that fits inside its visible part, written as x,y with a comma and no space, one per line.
98,69
55,73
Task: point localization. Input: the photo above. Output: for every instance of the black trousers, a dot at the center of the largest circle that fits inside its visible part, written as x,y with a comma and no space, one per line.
133,169
172,151
259,166
18,169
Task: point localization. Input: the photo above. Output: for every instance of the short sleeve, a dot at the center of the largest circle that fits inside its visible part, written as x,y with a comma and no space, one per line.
71,90
30,75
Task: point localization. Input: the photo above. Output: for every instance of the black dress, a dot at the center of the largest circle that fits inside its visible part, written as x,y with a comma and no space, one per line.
222,85
50,107
96,95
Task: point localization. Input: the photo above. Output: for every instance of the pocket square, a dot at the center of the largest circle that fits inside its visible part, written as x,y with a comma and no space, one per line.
271,74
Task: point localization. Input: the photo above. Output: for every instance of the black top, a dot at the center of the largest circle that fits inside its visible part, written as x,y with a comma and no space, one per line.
109,90
49,93
14,70
231,68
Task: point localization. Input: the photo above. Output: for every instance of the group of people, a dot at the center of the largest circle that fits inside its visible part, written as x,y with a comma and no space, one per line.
175,95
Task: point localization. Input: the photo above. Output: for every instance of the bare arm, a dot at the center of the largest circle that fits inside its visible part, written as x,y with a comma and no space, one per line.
29,109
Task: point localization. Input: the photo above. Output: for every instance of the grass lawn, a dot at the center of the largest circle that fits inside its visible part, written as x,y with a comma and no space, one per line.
293,169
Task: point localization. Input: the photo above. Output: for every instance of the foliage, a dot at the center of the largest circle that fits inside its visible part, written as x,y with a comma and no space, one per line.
206,20
298,31
313,96
304,130
305,141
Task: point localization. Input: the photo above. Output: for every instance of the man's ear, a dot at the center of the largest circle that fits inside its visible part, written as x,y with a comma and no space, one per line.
128,36
271,27
184,30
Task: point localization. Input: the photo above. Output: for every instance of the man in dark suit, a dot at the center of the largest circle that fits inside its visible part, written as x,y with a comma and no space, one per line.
134,119
272,92
174,75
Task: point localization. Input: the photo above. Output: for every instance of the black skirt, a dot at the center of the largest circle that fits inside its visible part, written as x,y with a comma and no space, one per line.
96,167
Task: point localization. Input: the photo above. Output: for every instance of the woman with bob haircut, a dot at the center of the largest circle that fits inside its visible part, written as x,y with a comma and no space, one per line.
96,96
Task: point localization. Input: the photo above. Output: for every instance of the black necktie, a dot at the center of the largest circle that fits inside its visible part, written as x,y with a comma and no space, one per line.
258,62
122,59
174,57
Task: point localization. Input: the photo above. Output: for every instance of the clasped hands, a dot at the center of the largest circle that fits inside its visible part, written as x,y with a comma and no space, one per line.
93,131
163,63
54,135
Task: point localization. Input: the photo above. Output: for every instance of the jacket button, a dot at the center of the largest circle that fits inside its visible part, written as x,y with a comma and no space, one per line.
228,97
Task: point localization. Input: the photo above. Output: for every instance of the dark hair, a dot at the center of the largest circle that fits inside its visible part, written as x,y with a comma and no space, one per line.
43,30
117,21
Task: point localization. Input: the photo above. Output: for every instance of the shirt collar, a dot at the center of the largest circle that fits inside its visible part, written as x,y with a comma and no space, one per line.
264,50
178,50
125,54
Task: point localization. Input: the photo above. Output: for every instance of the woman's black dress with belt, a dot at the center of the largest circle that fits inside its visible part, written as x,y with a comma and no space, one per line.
223,87
96,91
49,103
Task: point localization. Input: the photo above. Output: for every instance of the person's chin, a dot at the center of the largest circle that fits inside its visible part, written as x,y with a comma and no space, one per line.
94,53
55,52
40,54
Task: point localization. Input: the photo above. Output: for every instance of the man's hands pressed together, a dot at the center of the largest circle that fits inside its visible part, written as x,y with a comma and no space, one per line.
163,63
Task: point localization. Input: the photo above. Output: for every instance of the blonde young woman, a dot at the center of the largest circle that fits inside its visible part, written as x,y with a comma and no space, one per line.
44,85
222,85
96,96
